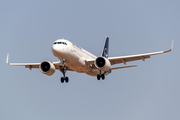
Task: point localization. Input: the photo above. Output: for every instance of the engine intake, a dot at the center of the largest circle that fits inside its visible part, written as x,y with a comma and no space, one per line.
102,63
47,68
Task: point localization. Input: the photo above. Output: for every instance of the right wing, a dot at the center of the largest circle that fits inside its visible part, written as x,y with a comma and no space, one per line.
35,65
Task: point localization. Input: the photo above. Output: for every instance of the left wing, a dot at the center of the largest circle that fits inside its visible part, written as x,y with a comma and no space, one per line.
124,59
33,65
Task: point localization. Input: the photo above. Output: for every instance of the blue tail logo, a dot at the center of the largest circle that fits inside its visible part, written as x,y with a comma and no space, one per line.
105,48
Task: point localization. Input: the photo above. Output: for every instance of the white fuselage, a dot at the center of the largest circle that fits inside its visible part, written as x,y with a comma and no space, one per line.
75,57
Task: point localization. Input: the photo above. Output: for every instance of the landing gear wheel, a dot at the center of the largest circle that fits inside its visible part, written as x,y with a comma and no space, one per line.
103,76
62,80
98,77
66,79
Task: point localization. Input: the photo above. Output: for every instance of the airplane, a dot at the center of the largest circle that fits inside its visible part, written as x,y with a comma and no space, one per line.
75,58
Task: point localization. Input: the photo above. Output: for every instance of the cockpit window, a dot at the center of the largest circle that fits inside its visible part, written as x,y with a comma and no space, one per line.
60,43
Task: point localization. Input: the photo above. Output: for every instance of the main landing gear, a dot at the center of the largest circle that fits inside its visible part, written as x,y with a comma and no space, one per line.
99,76
63,70
66,79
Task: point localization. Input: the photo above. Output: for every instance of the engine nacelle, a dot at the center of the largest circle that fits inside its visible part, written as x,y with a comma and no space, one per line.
102,63
47,68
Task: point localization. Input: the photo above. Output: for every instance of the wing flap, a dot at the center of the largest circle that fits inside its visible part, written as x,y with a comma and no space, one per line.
123,67
124,59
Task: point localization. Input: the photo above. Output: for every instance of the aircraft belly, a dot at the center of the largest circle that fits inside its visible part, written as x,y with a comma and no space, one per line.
88,70
93,72
78,67
76,62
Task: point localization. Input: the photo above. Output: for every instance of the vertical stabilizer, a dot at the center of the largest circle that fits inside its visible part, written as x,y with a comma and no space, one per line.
105,48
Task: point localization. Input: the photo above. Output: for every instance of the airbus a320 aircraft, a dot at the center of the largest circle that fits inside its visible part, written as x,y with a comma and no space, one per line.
74,58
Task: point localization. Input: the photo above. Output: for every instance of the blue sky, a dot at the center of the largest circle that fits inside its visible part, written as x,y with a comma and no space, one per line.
149,91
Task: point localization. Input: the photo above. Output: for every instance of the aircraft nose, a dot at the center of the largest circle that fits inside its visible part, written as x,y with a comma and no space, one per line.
58,50
55,49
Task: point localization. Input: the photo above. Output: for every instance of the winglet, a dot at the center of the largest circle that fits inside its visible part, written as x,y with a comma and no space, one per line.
170,48
172,45
7,59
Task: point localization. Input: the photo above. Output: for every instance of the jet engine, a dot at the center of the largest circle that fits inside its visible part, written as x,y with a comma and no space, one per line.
102,63
47,68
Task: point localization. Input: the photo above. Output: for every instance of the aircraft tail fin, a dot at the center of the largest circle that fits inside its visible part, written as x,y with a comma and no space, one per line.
105,48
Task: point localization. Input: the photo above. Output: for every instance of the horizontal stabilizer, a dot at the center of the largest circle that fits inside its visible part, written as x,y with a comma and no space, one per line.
123,67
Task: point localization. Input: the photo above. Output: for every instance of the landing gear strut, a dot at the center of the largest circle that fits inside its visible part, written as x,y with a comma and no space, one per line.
63,70
99,76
